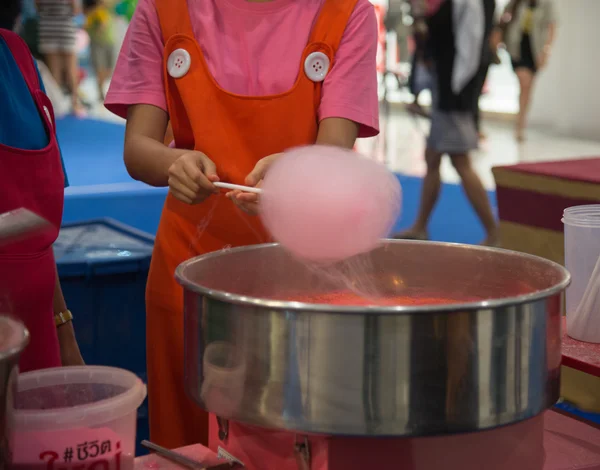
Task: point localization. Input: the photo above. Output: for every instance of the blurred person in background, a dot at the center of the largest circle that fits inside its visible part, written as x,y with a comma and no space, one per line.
58,44
32,177
489,57
100,27
420,78
458,34
527,28
27,27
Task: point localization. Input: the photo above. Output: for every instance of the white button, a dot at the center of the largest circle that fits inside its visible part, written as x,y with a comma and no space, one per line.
47,111
316,66
179,63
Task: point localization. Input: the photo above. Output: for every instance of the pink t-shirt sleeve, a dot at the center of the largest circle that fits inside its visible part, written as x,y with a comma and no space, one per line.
138,75
350,89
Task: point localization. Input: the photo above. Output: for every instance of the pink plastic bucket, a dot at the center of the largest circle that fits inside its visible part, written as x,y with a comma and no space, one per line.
76,418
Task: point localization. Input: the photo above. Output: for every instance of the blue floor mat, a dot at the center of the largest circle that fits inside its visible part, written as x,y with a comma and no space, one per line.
92,150
453,219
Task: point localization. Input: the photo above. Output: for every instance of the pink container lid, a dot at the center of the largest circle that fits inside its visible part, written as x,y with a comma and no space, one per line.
75,397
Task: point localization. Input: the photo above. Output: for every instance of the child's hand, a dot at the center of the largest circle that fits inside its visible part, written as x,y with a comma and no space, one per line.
248,202
191,178
260,170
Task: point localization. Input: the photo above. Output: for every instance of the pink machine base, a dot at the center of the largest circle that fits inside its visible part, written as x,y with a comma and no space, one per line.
552,441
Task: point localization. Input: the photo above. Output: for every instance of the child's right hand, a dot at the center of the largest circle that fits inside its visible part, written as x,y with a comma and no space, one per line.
191,178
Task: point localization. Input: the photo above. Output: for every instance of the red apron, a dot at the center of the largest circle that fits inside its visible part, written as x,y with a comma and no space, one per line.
32,179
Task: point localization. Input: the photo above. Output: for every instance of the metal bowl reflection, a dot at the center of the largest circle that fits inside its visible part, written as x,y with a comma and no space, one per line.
486,354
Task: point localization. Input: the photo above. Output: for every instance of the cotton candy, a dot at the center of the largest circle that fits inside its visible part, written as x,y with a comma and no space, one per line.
327,204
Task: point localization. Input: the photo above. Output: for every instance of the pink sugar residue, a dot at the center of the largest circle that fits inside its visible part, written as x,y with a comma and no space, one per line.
356,300
416,297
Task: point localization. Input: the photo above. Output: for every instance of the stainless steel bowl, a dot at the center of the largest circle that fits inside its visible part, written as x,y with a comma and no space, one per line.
487,357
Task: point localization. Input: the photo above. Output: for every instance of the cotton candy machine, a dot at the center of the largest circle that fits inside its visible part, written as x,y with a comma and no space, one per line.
453,339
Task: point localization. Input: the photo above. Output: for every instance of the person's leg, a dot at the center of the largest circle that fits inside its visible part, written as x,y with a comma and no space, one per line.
105,68
411,77
477,196
429,196
53,61
94,59
415,107
416,100
525,77
72,73
477,116
97,58
102,77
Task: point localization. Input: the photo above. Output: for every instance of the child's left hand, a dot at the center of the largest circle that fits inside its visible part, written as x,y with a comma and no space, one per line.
248,202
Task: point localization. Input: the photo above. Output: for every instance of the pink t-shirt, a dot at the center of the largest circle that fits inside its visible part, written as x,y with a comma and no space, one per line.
253,49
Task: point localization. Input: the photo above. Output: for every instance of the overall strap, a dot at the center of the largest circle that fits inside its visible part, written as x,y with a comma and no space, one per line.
22,55
331,22
174,18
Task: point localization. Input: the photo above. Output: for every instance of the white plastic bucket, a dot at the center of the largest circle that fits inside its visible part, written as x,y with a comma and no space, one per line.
582,257
76,417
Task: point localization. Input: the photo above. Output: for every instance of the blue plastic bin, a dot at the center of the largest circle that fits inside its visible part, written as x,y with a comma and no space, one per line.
103,267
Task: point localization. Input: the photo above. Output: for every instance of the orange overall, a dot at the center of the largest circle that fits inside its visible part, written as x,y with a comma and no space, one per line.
235,132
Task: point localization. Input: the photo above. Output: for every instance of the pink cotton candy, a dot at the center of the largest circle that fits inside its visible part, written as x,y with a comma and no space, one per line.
327,204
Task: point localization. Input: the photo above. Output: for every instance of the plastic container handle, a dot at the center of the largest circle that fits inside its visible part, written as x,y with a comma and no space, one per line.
586,315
